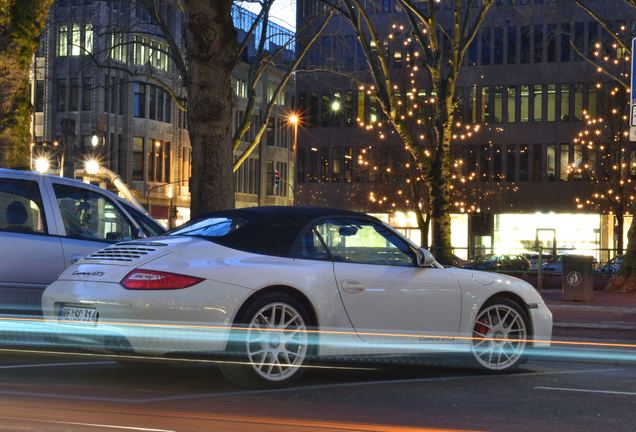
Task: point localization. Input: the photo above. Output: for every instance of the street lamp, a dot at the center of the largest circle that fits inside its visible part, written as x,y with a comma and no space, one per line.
91,166
293,119
94,140
42,164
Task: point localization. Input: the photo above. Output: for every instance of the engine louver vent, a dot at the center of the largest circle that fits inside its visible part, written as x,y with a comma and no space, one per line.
126,253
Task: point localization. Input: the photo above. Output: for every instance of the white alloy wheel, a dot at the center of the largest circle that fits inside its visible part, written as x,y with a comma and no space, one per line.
271,344
277,342
499,335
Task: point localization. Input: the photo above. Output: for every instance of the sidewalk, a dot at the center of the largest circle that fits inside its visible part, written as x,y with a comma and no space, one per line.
609,316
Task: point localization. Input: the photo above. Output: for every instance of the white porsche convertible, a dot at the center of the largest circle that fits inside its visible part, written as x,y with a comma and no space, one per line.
276,287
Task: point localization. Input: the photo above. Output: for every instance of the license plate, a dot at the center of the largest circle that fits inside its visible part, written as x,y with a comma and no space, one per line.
78,314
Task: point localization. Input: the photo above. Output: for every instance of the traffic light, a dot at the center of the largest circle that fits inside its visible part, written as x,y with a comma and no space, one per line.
276,177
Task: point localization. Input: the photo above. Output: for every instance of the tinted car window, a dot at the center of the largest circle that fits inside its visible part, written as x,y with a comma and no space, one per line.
364,242
21,207
88,215
150,227
266,238
310,246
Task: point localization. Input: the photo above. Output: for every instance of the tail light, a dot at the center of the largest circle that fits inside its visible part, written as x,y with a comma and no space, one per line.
139,279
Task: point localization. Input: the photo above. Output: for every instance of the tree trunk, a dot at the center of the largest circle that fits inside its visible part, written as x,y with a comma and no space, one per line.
441,220
211,45
21,24
439,184
626,278
620,227
423,223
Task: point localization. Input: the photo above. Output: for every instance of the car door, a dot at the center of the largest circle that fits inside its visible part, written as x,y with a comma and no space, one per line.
30,257
89,220
383,289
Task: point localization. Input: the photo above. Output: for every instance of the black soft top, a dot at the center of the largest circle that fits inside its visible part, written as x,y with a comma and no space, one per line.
270,230
266,214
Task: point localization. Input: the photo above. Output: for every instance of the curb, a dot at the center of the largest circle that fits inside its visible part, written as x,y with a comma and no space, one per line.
595,326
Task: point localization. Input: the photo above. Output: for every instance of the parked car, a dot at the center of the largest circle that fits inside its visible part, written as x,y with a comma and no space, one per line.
499,263
274,286
47,223
533,259
610,267
555,264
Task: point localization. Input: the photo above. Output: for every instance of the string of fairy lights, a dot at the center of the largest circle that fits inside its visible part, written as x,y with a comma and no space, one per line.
611,171
416,107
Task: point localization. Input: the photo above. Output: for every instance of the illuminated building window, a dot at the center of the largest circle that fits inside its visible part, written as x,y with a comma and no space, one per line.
512,104
525,103
551,102
551,162
565,102
62,40
538,103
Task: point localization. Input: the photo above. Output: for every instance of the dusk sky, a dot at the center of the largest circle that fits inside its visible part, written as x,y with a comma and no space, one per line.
283,11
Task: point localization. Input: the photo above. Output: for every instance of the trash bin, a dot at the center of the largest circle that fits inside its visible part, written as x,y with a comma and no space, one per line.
578,278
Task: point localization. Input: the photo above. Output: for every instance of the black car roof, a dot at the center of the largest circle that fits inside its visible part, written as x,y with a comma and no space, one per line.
270,230
266,214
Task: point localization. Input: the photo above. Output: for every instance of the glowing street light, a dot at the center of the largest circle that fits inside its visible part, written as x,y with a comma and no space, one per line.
95,141
91,166
293,119
42,165
335,106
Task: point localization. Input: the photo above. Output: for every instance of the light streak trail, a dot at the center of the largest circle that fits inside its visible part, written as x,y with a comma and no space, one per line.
228,329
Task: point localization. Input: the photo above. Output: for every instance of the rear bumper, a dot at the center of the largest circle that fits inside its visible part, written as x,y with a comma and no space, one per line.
197,319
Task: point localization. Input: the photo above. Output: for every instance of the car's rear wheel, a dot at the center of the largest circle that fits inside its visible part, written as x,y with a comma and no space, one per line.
500,335
272,344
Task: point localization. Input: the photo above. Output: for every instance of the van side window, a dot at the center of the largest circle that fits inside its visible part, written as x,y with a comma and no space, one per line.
21,207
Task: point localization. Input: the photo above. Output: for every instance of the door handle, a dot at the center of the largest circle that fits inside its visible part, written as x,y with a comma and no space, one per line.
76,258
352,287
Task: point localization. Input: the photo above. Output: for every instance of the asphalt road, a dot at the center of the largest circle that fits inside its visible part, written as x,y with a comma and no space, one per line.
61,392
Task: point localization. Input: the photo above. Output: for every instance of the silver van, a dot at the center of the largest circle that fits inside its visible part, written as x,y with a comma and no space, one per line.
47,223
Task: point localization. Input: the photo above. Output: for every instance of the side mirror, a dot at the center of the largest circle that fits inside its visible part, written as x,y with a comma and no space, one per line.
424,257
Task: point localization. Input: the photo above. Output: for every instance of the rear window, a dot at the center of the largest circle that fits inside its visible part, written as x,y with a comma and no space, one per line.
257,236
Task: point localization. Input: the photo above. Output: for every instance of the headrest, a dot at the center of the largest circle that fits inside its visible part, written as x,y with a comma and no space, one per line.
17,213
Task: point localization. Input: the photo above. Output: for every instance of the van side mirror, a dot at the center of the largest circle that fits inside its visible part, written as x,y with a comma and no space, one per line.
424,257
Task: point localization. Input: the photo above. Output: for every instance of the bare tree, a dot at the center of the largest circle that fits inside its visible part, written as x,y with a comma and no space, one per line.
441,40
266,60
611,59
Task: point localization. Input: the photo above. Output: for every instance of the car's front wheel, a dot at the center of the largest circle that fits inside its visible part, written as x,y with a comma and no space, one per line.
500,335
271,344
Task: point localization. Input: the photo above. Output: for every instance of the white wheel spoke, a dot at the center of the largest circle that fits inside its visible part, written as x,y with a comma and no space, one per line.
489,327
503,321
272,318
480,334
263,361
269,324
481,343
